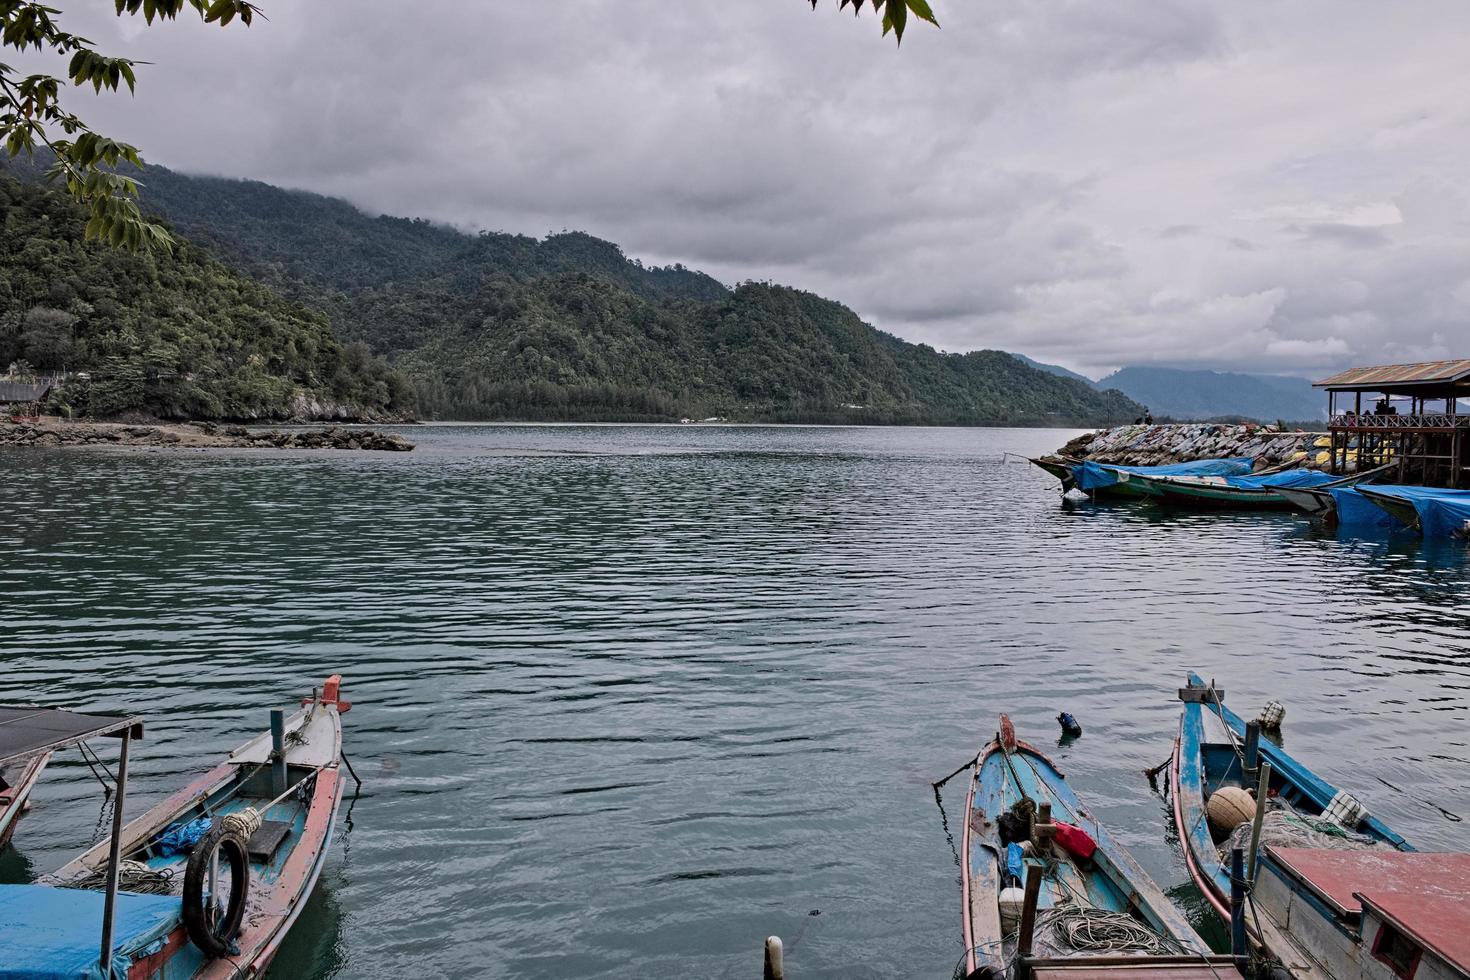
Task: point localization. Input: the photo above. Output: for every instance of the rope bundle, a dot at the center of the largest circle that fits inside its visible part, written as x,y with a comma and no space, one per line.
243,822
132,876
1092,930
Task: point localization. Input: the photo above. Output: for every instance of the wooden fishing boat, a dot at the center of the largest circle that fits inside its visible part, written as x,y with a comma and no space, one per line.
214,906
15,792
1201,768
1018,802
1215,492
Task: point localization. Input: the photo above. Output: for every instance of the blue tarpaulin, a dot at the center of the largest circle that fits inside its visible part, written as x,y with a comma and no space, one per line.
1441,512
1354,508
1092,475
1289,478
182,837
55,933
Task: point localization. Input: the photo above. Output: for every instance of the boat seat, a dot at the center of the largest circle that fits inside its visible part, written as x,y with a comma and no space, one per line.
55,933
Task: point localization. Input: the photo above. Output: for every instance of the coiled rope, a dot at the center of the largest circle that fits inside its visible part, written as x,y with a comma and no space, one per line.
132,876
1093,930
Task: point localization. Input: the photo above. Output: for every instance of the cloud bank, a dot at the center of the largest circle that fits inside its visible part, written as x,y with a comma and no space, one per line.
1250,186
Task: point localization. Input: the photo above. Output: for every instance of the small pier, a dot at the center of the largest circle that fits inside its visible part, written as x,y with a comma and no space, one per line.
1408,414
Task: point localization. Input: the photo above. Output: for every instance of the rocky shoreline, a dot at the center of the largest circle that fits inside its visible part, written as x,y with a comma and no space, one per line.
1157,445
53,432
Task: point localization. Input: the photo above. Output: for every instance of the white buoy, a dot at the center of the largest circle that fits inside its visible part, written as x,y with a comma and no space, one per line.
1012,900
775,969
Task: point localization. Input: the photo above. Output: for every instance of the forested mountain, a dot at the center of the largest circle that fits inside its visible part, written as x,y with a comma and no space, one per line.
494,326
173,336
1056,369
1186,394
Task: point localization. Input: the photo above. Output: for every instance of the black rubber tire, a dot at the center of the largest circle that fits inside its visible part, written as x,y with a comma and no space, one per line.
218,939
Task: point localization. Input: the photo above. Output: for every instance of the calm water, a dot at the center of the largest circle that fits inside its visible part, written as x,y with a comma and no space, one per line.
629,699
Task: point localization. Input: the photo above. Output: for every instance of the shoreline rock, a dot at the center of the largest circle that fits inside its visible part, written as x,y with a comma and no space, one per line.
54,432
1157,445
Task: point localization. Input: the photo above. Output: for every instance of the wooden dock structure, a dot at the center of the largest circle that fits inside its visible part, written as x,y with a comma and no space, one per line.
1430,442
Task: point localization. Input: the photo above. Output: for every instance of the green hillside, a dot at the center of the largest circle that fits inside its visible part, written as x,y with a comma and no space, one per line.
495,325
178,336
504,326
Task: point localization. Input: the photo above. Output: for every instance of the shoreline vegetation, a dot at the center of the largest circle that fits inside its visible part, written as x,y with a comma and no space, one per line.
52,432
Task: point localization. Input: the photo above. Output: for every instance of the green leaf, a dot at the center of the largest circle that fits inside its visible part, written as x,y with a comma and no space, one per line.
922,11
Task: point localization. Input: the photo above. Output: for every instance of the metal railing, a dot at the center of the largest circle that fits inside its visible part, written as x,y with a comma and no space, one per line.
1439,421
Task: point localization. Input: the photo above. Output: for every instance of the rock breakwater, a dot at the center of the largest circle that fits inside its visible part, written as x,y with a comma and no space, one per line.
1157,445
50,432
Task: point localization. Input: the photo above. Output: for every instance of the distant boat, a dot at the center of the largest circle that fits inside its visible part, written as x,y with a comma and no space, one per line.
1086,876
1201,768
244,843
15,791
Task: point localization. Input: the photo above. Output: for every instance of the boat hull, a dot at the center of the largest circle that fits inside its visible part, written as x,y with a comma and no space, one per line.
1315,502
1234,498
1398,508
14,799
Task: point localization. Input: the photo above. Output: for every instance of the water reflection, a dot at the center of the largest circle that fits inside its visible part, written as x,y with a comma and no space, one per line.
629,699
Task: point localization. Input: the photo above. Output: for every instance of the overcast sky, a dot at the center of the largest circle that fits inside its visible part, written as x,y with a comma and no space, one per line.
1239,185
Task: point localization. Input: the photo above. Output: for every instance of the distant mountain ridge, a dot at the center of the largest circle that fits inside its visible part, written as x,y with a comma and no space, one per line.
1192,394
1184,393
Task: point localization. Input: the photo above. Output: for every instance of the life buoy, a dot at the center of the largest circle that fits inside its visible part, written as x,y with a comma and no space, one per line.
210,929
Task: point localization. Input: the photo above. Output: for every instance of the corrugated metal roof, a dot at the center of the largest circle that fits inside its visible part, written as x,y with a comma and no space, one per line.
20,391
1425,372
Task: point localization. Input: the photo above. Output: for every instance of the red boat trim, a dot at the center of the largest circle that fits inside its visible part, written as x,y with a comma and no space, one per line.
1205,885
969,927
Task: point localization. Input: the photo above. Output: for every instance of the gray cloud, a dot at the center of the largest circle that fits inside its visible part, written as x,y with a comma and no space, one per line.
1171,181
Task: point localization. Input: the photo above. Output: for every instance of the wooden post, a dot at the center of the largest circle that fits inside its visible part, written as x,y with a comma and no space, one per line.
1252,747
1262,791
1027,934
1237,908
114,847
278,751
775,969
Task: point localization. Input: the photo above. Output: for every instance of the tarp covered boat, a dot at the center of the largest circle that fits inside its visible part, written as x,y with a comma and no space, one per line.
212,877
1303,809
1108,479
1434,511
1085,875
1246,492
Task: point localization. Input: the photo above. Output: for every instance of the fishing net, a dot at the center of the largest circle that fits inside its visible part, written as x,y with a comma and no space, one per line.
1283,826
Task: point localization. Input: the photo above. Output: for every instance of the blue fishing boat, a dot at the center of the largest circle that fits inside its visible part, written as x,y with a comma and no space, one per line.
1023,820
1211,779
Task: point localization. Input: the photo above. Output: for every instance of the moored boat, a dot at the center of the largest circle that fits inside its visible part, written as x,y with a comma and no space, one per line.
1111,480
1024,821
1302,808
210,879
1433,511
1320,503
1258,492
